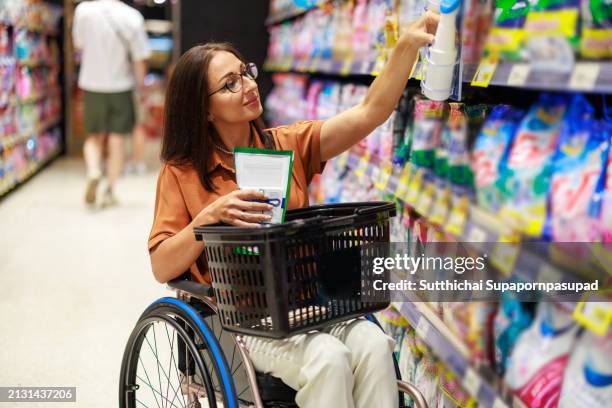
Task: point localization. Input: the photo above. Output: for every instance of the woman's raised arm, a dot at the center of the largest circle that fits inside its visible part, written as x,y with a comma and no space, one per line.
342,131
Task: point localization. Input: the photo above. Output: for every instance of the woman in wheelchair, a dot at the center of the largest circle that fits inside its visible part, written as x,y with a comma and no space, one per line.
212,106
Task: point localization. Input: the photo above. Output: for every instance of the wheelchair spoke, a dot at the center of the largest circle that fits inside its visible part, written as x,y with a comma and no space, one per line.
155,391
233,355
159,364
237,367
243,391
175,367
148,379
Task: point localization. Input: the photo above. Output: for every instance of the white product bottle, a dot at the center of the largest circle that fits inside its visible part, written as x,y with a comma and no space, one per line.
442,55
588,377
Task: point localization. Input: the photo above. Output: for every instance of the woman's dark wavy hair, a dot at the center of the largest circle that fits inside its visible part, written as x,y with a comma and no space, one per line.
188,135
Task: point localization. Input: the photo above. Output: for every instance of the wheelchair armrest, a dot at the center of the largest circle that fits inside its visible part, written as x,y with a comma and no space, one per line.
413,392
195,288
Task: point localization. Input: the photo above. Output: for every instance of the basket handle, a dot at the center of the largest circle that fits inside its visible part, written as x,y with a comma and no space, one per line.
388,206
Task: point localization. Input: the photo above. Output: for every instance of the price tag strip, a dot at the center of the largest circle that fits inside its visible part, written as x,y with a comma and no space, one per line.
471,382
485,72
584,76
595,316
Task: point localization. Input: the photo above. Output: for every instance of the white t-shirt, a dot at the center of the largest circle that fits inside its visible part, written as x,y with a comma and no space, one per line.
104,64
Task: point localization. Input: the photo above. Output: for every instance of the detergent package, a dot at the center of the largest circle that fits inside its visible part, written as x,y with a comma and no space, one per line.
508,31
418,366
473,322
513,317
552,34
588,377
606,207
537,363
596,35
525,177
490,150
428,122
578,176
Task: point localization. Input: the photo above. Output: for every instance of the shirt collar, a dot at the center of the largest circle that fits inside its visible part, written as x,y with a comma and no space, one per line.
220,159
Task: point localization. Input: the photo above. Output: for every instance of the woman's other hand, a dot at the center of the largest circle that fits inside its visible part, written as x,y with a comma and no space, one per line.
236,209
422,31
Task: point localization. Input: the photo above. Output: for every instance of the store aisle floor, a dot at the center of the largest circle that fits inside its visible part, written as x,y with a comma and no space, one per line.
72,283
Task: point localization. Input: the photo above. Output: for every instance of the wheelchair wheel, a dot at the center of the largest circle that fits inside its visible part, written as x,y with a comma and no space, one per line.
174,359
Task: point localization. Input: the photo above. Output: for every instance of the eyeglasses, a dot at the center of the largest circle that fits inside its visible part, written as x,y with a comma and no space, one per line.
234,81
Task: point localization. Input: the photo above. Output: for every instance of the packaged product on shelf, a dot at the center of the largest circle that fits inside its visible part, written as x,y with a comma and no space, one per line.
394,324
343,38
452,388
490,150
588,376
473,323
360,43
507,33
537,364
596,35
606,210
377,12
402,136
328,100
525,177
461,124
578,179
409,11
512,318
476,24
418,366
552,34
312,99
428,122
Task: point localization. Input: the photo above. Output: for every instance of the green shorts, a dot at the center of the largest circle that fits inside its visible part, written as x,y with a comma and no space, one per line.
109,112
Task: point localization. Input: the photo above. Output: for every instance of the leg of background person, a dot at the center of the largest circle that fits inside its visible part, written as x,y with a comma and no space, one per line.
115,158
92,151
138,145
371,363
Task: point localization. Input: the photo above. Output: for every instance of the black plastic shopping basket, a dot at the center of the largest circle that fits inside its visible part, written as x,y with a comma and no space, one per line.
305,274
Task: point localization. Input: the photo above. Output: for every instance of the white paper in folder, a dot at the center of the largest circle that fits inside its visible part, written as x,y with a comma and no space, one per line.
268,171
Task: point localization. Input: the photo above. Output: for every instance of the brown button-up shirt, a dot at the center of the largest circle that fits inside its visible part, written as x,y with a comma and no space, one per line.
180,195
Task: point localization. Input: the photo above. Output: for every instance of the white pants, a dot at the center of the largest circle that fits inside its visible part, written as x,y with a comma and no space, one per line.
347,365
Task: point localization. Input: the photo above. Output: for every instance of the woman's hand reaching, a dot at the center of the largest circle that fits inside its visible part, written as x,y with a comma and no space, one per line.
422,31
236,209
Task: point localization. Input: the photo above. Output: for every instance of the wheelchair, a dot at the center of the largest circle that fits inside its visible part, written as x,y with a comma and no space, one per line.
179,355
183,353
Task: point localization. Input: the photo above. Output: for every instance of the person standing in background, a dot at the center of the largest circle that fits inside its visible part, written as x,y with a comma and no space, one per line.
114,48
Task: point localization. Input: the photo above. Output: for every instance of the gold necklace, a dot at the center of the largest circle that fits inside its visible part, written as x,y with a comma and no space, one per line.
224,150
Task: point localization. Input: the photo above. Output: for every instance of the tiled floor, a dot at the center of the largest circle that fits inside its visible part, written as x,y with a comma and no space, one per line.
72,283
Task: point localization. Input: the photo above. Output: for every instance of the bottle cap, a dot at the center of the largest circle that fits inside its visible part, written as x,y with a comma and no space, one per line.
448,6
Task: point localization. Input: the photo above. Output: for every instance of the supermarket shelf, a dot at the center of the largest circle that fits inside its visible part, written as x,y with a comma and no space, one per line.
9,101
8,142
594,76
585,77
7,184
37,63
37,29
480,382
7,60
36,97
292,12
324,66
476,227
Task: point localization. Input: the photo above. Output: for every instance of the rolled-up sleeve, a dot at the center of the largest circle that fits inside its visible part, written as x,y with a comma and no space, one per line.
171,214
